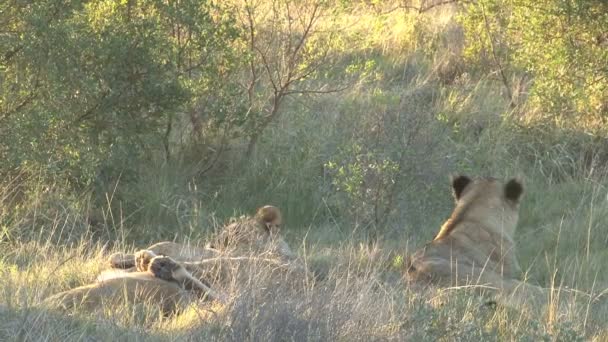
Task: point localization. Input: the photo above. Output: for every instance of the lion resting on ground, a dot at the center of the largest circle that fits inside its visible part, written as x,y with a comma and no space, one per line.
161,281
248,242
475,245
259,234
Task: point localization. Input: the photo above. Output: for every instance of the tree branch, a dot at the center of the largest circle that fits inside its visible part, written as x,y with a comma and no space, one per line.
312,91
28,99
90,111
495,57
421,9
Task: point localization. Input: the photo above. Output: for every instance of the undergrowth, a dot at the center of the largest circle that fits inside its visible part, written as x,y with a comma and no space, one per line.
362,179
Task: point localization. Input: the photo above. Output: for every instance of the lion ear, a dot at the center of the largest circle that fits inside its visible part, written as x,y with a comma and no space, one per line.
513,190
458,184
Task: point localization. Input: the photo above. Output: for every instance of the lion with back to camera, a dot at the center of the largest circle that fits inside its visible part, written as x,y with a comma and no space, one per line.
475,245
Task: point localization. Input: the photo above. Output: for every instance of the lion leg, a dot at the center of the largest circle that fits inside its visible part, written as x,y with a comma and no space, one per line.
191,283
177,251
168,269
214,270
180,251
122,260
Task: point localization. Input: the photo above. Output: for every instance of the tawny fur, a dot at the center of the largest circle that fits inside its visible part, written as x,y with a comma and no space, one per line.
128,288
165,283
259,234
475,245
177,251
248,243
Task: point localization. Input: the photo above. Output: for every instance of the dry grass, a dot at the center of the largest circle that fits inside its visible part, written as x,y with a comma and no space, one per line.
357,295
49,242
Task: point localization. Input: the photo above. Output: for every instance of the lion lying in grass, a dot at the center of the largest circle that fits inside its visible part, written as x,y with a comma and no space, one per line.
166,272
161,281
245,243
259,234
475,245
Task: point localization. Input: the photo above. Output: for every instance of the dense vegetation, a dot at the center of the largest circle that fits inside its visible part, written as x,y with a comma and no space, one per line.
126,122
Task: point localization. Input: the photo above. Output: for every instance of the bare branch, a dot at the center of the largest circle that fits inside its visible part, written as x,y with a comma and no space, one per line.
10,54
423,8
437,4
92,109
252,66
31,96
218,154
315,91
284,55
305,35
28,99
495,57
268,71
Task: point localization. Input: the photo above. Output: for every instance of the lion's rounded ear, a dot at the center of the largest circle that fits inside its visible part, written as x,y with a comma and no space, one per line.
513,190
458,184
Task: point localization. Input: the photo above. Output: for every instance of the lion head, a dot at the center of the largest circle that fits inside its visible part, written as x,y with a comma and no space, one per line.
259,233
486,200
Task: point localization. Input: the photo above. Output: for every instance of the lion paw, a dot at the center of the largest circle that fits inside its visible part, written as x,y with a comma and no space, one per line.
121,260
143,259
163,267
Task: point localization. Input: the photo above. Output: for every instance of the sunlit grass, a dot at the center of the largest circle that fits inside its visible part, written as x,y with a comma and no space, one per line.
360,296
52,241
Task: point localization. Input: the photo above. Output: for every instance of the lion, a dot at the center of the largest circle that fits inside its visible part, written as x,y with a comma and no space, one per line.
177,251
245,246
259,234
162,281
475,245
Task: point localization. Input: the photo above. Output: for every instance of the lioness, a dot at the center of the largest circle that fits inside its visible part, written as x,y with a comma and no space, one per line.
164,282
246,244
257,234
475,245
